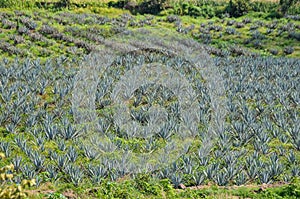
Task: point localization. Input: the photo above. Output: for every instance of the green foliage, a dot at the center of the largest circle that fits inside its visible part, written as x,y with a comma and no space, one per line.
56,196
118,4
185,8
237,8
65,3
143,7
144,185
8,3
285,5
114,190
17,4
151,6
266,7
291,191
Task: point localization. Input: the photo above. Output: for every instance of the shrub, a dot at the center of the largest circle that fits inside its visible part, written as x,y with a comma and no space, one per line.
285,5
7,3
294,35
288,50
230,22
194,11
274,51
230,31
237,8
247,20
64,3
14,3
239,25
172,18
151,7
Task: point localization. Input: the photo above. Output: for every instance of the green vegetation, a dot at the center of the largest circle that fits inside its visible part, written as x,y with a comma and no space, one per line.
258,29
164,189
285,5
251,152
237,8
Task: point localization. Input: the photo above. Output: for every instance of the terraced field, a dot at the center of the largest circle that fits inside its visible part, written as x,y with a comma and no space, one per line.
96,102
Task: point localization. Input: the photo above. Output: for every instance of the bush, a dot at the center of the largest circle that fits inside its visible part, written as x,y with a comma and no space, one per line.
285,5
8,3
16,3
194,11
294,35
239,25
118,4
190,9
151,6
274,51
65,3
237,8
288,50
172,18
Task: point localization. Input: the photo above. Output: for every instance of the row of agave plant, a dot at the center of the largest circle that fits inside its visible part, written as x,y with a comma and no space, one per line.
77,39
29,31
257,39
258,141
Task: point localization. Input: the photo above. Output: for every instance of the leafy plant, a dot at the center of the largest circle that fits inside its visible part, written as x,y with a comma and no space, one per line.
285,5
237,8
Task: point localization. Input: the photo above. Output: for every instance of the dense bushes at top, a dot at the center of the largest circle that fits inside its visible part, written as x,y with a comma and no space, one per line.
237,8
157,6
233,8
144,7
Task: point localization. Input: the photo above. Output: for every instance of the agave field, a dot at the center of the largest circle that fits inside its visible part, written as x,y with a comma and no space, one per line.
44,34
87,99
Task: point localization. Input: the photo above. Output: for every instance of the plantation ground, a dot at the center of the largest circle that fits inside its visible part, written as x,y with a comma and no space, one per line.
254,152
